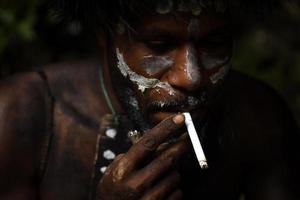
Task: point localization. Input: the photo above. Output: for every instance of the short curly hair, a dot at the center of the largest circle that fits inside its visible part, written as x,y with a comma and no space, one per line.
105,14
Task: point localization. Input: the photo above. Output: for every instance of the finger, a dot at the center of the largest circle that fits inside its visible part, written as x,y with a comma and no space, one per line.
153,138
160,165
114,163
116,169
162,147
163,188
176,195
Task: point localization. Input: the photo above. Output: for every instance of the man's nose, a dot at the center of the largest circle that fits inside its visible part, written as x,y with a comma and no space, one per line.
185,73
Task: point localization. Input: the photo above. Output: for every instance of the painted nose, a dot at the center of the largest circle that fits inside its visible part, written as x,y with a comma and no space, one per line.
185,73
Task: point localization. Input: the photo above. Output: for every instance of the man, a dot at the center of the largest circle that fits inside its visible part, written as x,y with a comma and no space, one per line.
64,129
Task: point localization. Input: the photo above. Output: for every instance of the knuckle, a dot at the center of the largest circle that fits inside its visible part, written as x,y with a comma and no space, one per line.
119,171
136,185
120,156
151,198
169,158
150,143
129,194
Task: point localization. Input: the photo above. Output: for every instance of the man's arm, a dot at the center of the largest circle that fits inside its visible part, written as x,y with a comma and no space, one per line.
22,126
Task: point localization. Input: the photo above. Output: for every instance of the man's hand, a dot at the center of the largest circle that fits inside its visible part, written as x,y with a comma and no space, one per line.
139,174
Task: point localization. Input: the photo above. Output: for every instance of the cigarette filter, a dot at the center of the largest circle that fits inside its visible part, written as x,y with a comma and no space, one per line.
195,141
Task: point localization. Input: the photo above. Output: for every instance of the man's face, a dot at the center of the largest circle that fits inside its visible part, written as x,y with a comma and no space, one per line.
174,61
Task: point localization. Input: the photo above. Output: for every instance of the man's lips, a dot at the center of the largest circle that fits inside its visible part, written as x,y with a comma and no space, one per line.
166,107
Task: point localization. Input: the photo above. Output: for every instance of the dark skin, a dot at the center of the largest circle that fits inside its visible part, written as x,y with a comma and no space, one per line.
177,39
257,154
174,39
124,179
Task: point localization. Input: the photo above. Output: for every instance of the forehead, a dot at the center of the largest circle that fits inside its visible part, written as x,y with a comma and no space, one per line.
180,22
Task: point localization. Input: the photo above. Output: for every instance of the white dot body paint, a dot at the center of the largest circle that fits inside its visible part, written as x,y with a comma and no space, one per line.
195,141
154,64
219,75
111,133
209,61
103,169
191,66
109,155
142,82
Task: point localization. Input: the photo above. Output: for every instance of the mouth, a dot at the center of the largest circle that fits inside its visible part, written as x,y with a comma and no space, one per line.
160,110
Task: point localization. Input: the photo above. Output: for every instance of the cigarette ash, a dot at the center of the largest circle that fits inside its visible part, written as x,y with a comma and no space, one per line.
142,82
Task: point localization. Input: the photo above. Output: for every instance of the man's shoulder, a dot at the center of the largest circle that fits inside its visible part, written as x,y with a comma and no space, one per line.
260,116
251,92
76,89
70,76
21,89
74,86
257,109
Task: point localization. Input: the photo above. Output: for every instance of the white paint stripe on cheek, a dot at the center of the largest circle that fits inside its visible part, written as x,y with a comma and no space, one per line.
154,64
191,66
219,75
210,62
142,82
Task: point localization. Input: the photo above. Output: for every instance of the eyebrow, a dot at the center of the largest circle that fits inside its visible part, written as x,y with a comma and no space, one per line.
156,33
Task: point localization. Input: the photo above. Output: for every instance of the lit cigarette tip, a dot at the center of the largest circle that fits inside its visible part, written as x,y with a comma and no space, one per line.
195,141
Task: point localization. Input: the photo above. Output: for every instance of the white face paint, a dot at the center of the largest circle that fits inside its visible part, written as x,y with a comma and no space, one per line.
193,6
191,66
142,82
211,61
193,28
219,75
154,64
164,6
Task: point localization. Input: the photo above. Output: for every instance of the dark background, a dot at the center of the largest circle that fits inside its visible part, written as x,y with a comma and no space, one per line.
31,37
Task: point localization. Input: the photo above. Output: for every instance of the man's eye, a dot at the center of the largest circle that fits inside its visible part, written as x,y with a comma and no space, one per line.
214,42
159,45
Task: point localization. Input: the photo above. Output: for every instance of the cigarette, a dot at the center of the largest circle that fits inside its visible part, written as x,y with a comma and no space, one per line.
195,141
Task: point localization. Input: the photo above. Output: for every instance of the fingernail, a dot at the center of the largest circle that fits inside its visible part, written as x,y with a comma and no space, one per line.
178,119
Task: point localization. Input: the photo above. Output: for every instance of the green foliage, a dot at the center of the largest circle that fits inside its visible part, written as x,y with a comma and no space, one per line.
272,55
17,22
